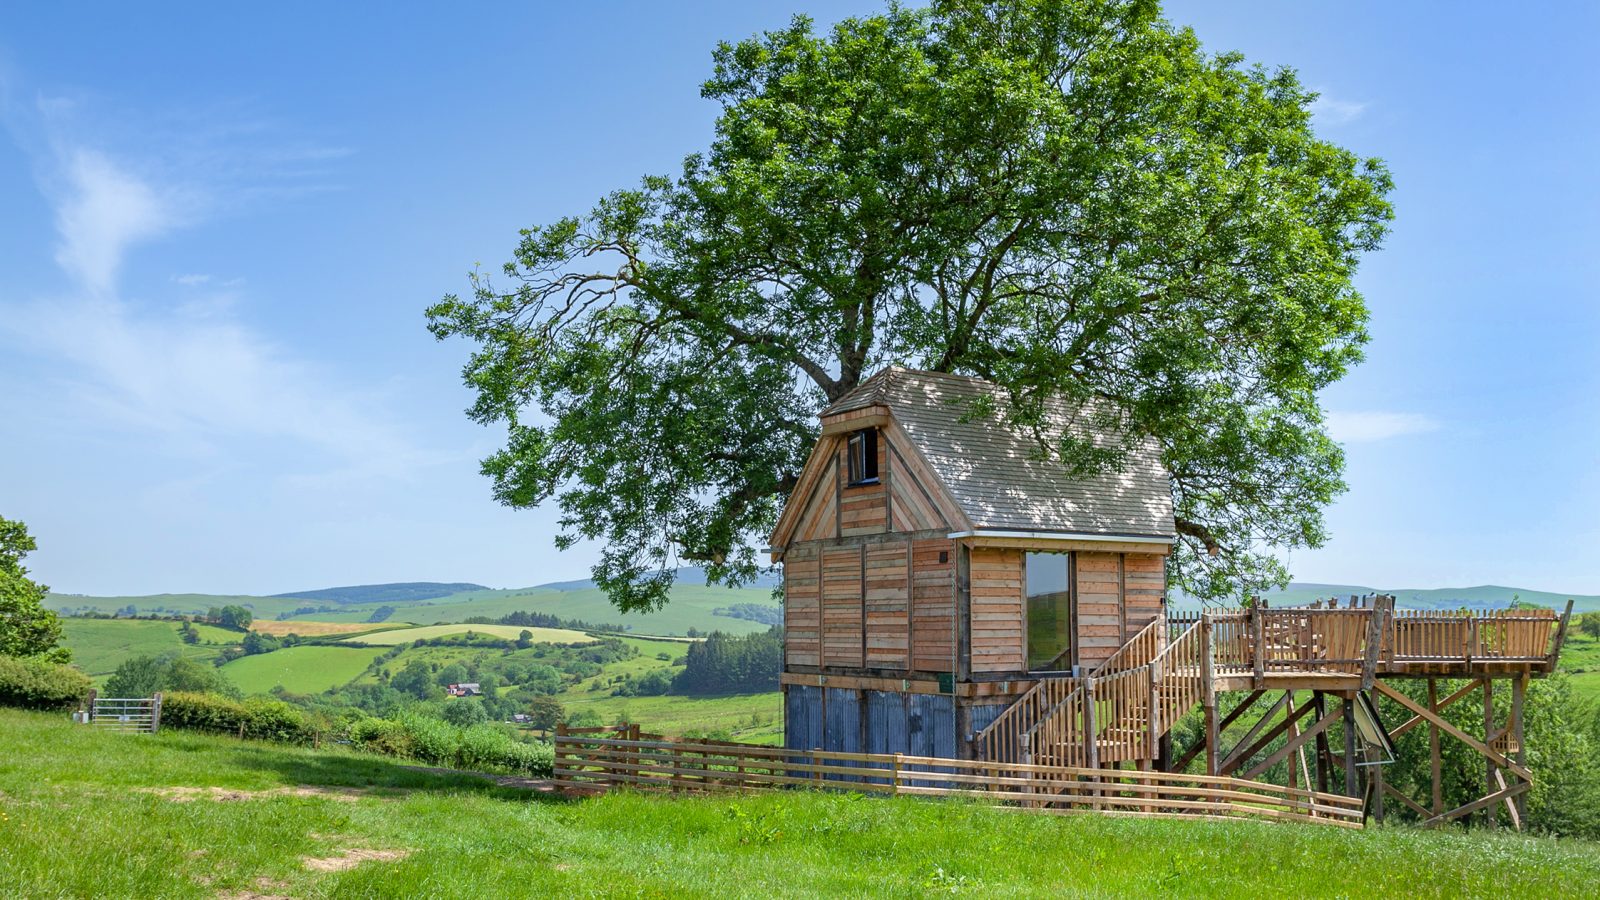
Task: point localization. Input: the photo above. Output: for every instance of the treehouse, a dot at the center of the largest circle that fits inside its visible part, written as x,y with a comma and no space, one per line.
952,591
937,565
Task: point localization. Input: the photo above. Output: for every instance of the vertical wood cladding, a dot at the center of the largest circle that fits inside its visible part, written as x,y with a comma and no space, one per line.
842,637
933,605
997,610
802,610
1144,583
1100,626
863,508
887,595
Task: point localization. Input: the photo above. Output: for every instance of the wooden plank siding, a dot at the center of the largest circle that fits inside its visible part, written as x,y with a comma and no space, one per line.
863,508
1100,627
933,606
843,636
802,610
1144,584
997,610
886,590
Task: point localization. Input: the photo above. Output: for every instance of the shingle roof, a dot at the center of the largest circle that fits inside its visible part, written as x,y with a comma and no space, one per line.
1000,477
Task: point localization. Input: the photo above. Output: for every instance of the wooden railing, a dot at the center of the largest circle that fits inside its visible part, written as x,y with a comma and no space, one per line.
1290,640
1138,651
1006,738
590,763
1179,675
1002,740
1415,635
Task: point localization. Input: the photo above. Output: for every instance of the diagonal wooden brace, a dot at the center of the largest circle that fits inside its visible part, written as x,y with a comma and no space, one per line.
1494,755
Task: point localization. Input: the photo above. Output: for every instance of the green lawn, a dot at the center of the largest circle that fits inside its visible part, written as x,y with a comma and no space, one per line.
84,813
510,632
100,645
1580,655
307,669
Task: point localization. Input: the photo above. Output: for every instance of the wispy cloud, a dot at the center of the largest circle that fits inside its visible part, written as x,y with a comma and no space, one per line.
102,211
1364,427
185,368
1333,111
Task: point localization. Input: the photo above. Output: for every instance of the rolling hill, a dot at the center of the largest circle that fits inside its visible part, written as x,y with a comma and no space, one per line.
694,604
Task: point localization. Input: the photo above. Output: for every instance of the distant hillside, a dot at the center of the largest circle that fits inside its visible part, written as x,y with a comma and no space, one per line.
689,575
399,592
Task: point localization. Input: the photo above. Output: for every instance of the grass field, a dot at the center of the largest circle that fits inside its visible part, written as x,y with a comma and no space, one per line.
1581,656
283,821
100,645
509,632
304,670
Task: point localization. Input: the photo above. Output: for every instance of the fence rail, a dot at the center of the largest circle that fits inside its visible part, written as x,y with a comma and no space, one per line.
593,762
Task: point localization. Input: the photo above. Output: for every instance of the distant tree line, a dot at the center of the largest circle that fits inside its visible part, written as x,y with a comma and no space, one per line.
528,619
754,612
725,664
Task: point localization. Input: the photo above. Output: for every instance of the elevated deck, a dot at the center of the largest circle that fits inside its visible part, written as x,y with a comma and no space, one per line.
1344,649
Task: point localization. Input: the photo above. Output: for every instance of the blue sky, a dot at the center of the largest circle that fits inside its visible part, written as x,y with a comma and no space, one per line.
220,227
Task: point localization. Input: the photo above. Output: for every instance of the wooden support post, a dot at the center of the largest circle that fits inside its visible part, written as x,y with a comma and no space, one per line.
1319,707
1434,761
155,713
1091,743
1375,779
1351,787
1258,623
1519,687
1490,817
1209,695
1560,638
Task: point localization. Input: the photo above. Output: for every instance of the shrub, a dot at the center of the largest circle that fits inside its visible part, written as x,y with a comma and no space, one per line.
258,717
34,683
382,736
432,741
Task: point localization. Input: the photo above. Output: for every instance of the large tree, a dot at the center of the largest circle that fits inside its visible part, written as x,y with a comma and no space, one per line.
27,627
1067,197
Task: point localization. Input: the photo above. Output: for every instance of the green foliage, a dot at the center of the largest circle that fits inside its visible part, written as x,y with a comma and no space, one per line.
1068,197
142,676
723,664
1562,737
27,628
257,717
35,682
1589,624
464,712
234,617
545,713
256,642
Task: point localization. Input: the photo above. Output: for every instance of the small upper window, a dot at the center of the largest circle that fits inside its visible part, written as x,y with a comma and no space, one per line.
864,456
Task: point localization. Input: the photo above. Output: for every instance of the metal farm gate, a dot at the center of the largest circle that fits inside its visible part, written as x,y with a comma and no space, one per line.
135,715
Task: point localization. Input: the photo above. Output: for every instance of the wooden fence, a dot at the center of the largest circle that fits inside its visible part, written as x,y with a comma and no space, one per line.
624,757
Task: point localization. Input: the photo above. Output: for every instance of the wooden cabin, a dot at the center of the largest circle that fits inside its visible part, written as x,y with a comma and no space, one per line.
937,564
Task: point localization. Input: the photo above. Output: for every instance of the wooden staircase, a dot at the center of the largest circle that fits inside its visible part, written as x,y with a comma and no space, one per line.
1118,712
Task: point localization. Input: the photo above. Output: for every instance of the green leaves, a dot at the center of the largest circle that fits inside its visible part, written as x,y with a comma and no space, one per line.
27,627
1064,196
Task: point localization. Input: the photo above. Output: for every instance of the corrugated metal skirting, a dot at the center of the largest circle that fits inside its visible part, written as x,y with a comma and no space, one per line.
914,724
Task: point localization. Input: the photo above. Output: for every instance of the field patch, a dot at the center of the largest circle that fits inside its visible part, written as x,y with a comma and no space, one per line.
505,632
306,628
302,670
100,645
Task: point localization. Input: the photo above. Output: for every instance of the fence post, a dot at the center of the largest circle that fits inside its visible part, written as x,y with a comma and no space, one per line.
155,713
896,781
1091,746
1209,686
95,695
1258,626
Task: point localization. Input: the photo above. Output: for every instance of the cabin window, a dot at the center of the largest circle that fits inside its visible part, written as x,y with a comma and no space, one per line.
1051,613
864,456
